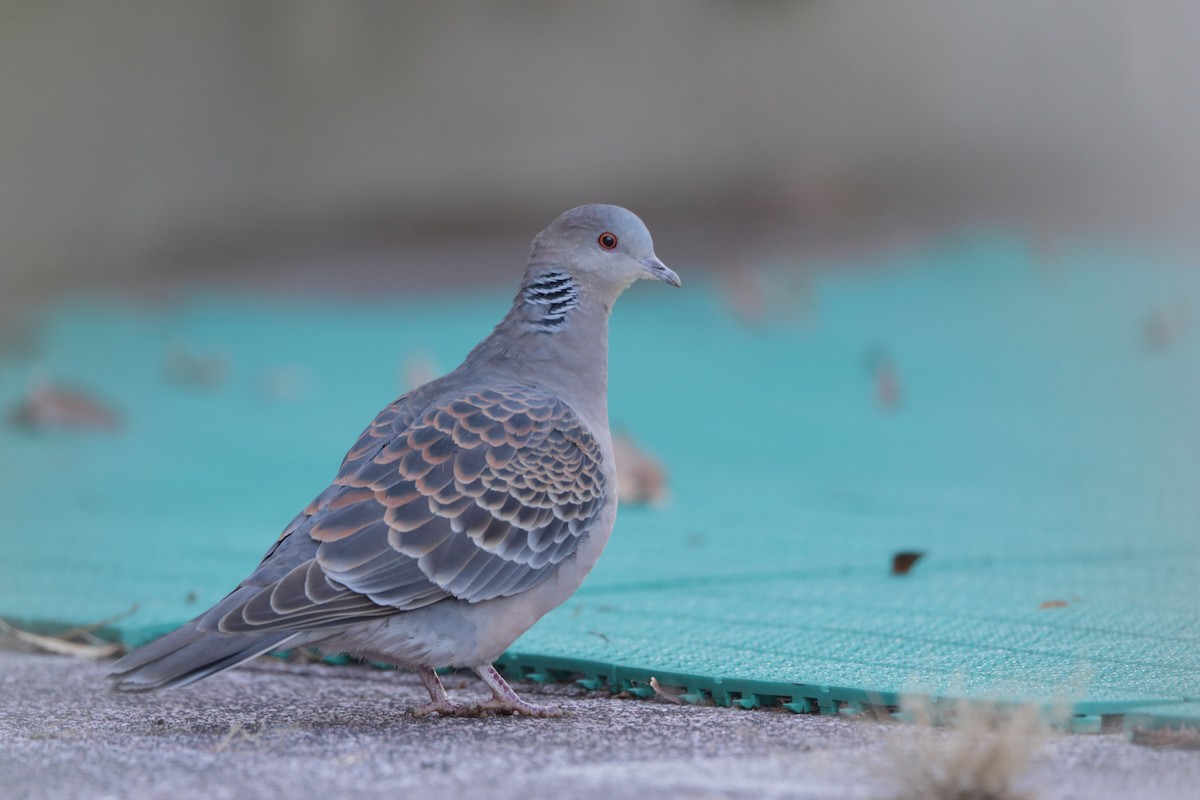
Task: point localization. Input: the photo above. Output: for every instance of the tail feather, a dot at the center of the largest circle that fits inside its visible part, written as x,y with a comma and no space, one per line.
188,654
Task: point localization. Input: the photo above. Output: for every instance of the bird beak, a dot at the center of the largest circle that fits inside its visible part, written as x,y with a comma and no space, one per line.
659,270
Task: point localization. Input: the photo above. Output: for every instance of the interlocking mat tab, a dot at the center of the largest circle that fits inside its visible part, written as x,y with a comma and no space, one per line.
1030,425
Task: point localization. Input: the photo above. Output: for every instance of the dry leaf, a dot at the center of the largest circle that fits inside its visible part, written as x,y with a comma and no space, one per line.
46,407
903,561
641,478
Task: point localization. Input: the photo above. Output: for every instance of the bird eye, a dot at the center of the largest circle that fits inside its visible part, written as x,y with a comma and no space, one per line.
608,241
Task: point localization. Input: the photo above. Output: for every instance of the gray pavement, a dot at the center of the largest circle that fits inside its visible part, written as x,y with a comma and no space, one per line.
294,730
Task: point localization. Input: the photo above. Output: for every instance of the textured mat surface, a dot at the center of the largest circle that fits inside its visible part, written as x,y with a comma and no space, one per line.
1042,450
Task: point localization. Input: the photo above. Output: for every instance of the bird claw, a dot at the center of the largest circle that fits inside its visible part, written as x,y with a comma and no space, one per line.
485,708
503,703
503,708
445,708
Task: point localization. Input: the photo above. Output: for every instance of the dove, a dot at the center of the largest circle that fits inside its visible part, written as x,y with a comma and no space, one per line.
468,508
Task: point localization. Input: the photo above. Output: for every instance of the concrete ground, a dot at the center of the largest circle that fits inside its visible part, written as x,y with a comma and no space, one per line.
293,730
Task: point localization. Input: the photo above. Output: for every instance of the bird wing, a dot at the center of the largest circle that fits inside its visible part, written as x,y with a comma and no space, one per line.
477,496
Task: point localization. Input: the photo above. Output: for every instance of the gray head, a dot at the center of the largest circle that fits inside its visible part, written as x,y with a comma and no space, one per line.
605,248
556,333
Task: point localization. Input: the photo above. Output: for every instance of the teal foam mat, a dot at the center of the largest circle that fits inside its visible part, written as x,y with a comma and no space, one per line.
1044,455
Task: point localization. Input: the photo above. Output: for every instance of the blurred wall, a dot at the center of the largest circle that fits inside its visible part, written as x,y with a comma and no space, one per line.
134,132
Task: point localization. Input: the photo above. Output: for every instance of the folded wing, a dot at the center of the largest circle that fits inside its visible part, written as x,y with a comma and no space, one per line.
478,496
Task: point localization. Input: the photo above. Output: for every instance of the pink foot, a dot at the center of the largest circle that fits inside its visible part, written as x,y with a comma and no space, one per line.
505,701
439,701
504,708
446,708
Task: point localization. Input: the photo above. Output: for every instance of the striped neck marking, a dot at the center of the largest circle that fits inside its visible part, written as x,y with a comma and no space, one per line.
552,294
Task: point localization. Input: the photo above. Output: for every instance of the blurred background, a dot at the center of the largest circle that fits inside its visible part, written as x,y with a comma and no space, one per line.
146,141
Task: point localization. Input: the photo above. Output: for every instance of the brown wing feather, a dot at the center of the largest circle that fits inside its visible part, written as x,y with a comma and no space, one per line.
480,496
492,478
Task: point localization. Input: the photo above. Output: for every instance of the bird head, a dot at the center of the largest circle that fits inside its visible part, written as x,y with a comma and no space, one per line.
606,247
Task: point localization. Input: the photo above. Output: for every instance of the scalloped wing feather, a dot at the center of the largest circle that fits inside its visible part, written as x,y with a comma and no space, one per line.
479,496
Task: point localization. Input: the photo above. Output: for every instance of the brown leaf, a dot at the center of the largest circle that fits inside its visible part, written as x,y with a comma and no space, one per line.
641,478
903,561
46,407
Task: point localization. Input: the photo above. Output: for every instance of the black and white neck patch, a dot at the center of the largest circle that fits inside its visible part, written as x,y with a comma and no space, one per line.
552,294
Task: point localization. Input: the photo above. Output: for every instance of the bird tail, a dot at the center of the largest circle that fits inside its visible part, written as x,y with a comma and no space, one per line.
188,654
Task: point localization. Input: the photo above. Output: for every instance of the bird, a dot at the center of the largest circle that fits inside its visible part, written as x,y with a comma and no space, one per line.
469,507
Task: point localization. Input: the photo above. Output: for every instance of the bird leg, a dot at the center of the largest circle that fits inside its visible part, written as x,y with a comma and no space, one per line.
439,702
505,700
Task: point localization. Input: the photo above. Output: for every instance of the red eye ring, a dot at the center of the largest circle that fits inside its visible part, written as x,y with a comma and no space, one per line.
607,240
